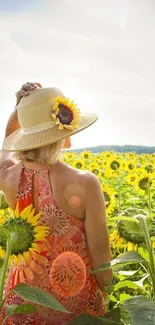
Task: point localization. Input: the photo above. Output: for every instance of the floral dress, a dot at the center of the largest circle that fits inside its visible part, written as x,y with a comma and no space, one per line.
66,234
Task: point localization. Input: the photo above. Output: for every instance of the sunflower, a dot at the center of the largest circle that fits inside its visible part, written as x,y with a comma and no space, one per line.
129,236
148,167
68,157
107,154
143,181
25,228
94,168
86,155
131,154
115,164
130,165
65,113
109,196
78,164
131,178
2,252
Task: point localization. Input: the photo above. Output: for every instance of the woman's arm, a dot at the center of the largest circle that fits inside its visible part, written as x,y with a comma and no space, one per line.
97,231
13,123
6,160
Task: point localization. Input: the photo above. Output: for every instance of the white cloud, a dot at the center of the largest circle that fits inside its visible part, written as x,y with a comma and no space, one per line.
101,53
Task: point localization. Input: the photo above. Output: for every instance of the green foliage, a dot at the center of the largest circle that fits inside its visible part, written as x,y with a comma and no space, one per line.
141,310
38,296
111,318
18,309
126,258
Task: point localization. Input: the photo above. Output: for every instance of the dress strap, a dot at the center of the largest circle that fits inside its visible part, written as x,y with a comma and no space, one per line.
26,183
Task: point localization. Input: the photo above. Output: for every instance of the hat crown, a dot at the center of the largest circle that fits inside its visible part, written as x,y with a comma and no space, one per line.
36,108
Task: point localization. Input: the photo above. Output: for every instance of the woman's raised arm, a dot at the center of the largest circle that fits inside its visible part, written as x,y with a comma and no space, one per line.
6,160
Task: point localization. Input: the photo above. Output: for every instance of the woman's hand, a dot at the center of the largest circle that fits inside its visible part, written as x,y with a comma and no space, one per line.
13,123
25,90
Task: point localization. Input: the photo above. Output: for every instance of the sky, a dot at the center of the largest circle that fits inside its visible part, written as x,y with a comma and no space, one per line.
100,53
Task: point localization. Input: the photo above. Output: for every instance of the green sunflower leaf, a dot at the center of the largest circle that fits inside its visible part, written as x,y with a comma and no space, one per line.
124,218
123,297
126,258
141,310
128,273
20,309
4,233
38,296
131,284
111,318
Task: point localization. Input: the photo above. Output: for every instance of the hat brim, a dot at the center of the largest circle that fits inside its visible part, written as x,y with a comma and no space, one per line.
18,141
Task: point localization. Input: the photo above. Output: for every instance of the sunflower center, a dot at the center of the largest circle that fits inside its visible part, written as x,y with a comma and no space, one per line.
149,168
65,115
78,165
23,233
114,165
144,183
131,166
95,171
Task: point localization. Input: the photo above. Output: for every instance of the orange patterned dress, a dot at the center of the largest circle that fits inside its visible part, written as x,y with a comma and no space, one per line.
67,233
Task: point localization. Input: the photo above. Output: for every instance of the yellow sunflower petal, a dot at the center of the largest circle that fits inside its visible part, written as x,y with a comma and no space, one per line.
119,243
130,246
24,214
114,235
34,247
54,116
17,210
35,219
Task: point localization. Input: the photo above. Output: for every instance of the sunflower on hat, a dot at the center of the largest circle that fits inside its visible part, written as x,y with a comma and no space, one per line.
65,113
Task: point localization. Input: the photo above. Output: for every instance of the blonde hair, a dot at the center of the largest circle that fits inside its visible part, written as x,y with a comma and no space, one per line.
47,155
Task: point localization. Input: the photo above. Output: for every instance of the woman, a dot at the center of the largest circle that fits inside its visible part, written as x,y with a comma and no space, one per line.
70,201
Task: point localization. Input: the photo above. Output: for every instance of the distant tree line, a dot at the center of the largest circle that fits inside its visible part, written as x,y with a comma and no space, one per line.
116,148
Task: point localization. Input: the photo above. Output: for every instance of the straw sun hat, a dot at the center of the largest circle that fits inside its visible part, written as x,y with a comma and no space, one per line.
45,117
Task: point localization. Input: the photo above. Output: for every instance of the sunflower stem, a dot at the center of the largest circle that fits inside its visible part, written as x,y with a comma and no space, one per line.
150,252
149,199
5,268
119,193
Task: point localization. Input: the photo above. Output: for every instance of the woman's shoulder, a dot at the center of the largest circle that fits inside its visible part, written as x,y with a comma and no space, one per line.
69,182
81,176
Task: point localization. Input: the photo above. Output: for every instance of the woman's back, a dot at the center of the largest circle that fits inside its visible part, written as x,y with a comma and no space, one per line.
59,193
